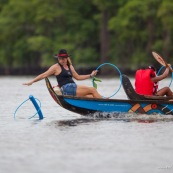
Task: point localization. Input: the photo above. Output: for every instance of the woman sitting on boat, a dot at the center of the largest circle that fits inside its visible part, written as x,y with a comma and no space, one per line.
146,82
64,71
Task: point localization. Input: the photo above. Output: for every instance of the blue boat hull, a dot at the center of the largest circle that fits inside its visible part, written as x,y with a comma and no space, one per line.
117,106
87,106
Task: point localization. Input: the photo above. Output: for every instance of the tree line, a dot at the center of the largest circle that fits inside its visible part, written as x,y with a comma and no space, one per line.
121,32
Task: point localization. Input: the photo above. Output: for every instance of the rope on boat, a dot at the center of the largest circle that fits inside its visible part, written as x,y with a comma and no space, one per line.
37,107
119,74
171,77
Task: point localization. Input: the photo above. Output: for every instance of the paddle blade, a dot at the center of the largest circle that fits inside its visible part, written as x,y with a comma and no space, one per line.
97,79
159,59
94,84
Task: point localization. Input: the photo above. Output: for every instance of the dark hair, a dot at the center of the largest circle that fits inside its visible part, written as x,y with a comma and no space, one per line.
152,67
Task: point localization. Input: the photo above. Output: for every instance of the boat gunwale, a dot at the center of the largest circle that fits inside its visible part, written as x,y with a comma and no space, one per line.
160,101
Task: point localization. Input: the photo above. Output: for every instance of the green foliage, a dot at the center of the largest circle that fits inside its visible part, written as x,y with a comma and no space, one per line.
165,13
136,29
32,31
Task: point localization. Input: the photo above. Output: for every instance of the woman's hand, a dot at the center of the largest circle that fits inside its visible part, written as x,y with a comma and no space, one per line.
94,72
28,84
168,65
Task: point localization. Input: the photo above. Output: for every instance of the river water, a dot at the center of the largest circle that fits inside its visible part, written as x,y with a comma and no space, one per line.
105,146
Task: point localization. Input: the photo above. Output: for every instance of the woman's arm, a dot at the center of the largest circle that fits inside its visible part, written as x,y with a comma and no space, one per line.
81,77
160,77
49,72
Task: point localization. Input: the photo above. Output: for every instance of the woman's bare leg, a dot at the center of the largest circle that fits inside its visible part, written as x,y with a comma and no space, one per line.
83,91
89,96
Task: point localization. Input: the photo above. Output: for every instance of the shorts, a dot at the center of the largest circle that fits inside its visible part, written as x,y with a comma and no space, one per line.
69,89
